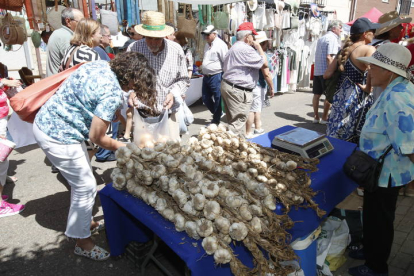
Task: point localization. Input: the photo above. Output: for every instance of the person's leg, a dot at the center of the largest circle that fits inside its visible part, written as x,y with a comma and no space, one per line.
326,108
317,92
73,162
378,227
215,85
249,124
258,114
207,95
254,108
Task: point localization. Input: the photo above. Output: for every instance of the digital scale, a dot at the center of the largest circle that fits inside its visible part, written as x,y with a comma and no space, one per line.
304,142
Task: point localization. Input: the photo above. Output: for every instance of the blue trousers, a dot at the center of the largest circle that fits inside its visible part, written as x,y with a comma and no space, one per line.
102,154
211,96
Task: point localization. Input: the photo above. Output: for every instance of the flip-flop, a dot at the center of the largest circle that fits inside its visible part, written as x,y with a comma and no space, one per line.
11,179
5,197
97,253
100,227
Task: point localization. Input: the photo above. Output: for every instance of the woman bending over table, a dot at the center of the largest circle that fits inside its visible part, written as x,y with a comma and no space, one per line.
82,109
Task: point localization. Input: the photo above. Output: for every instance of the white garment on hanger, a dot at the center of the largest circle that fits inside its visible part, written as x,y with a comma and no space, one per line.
270,19
286,20
259,17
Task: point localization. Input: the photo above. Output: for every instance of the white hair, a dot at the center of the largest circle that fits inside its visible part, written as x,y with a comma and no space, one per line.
242,34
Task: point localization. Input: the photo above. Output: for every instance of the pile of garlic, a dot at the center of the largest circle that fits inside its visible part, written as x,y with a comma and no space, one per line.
221,189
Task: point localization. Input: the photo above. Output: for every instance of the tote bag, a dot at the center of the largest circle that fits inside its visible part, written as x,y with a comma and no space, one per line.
27,102
187,26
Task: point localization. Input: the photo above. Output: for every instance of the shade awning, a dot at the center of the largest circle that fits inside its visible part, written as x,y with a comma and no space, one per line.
373,15
206,2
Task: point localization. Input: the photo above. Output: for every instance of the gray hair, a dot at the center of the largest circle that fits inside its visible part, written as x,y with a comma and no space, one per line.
242,34
103,29
334,24
67,13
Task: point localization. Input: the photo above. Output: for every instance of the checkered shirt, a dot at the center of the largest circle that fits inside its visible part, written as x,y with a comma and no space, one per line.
327,45
170,69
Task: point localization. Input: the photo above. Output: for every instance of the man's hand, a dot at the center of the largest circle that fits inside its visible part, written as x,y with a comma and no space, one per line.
169,101
270,92
132,100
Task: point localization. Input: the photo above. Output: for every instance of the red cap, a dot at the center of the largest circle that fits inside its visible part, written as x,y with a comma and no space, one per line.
247,26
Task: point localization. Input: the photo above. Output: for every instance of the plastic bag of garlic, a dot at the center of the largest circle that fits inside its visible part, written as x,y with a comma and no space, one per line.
221,188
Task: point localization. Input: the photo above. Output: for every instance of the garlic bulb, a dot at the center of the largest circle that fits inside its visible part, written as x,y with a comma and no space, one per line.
191,229
159,146
152,198
222,256
168,214
222,224
119,180
210,245
204,227
180,197
130,165
123,153
134,149
164,183
199,201
245,213
179,222
256,210
210,190
198,176
188,208
161,205
173,185
269,202
234,201
189,170
291,165
223,192
193,187
212,210
158,171
238,231
256,225
225,238
148,153
138,167
212,127
261,190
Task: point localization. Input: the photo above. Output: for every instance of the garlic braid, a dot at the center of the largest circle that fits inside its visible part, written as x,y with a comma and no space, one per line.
344,54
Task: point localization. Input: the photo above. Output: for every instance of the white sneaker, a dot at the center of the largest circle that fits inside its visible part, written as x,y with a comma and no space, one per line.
315,121
323,122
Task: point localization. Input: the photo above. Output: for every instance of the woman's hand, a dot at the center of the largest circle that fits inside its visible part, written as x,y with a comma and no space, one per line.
11,83
132,100
169,101
97,134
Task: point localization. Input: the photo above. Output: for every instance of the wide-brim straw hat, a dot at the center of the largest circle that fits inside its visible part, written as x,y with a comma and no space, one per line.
392,57
389,21
153,25
252,5
261,36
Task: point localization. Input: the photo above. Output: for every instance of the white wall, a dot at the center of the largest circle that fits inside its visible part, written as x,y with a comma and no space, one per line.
342,8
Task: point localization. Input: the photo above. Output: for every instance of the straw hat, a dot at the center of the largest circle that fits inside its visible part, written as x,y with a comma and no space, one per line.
261,36
252,5
389,21
392,57
153,25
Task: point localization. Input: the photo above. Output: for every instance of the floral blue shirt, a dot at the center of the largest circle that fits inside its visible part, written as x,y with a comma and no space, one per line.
391,121
92,90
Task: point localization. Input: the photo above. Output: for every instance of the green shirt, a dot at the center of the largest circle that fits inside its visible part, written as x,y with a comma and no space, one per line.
59,42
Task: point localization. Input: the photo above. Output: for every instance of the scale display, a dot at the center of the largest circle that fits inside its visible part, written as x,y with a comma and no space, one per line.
304,142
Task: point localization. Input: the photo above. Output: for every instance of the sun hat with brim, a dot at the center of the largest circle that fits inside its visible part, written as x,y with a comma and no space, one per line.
153,25
261,36
362,25
389,21
252,5
392,57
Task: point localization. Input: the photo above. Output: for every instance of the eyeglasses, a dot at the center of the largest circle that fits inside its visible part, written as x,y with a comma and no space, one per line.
74,20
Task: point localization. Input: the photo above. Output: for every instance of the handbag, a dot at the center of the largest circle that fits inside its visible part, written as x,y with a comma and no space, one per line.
187,26
220,20
11,31
365,170
27,102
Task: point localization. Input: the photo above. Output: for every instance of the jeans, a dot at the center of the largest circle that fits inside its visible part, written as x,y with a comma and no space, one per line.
102,154
73,163
211,95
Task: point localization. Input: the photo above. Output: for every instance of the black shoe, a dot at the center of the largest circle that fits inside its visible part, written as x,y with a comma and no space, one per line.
124,140
110,158
54,169
357,254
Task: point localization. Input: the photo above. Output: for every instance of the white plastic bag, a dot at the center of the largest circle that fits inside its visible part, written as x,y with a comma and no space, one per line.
149,130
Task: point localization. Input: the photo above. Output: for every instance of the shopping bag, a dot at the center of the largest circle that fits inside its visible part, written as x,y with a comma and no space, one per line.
184,117
149,130
27,102
221,20
187,26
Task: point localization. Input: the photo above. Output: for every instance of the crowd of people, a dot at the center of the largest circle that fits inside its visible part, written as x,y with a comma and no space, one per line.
370,105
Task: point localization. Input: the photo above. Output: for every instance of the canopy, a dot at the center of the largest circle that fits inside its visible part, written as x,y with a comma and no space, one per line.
206,2
373,14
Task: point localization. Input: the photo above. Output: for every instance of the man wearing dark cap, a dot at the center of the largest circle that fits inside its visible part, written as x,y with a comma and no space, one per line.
241,73
214,52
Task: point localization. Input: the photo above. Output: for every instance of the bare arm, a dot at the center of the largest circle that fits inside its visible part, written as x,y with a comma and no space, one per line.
329,59
269,81
331,69
97,134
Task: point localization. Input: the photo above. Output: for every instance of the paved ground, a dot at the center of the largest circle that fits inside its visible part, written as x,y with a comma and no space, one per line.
33,243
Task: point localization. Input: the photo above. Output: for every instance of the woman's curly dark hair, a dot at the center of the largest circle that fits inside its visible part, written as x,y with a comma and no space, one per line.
133,66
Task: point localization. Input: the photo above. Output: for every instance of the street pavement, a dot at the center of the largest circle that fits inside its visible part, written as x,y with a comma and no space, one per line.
33,243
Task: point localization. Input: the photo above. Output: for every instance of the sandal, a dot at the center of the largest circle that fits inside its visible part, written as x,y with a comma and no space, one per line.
97,253
100,227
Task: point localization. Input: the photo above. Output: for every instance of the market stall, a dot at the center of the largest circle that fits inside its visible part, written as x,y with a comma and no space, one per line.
130,219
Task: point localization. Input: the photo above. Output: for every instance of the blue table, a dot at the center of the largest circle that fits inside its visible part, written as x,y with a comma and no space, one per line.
130,219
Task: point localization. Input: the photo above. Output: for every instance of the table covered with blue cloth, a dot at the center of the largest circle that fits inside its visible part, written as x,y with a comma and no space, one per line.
129,219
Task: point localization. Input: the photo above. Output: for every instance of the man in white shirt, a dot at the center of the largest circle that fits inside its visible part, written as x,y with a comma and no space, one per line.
214,53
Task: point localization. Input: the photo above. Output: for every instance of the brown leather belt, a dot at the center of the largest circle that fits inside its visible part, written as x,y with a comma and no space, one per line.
238,87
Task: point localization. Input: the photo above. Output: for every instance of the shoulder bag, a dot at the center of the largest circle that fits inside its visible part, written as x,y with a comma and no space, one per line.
187,26
365,170
27,102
